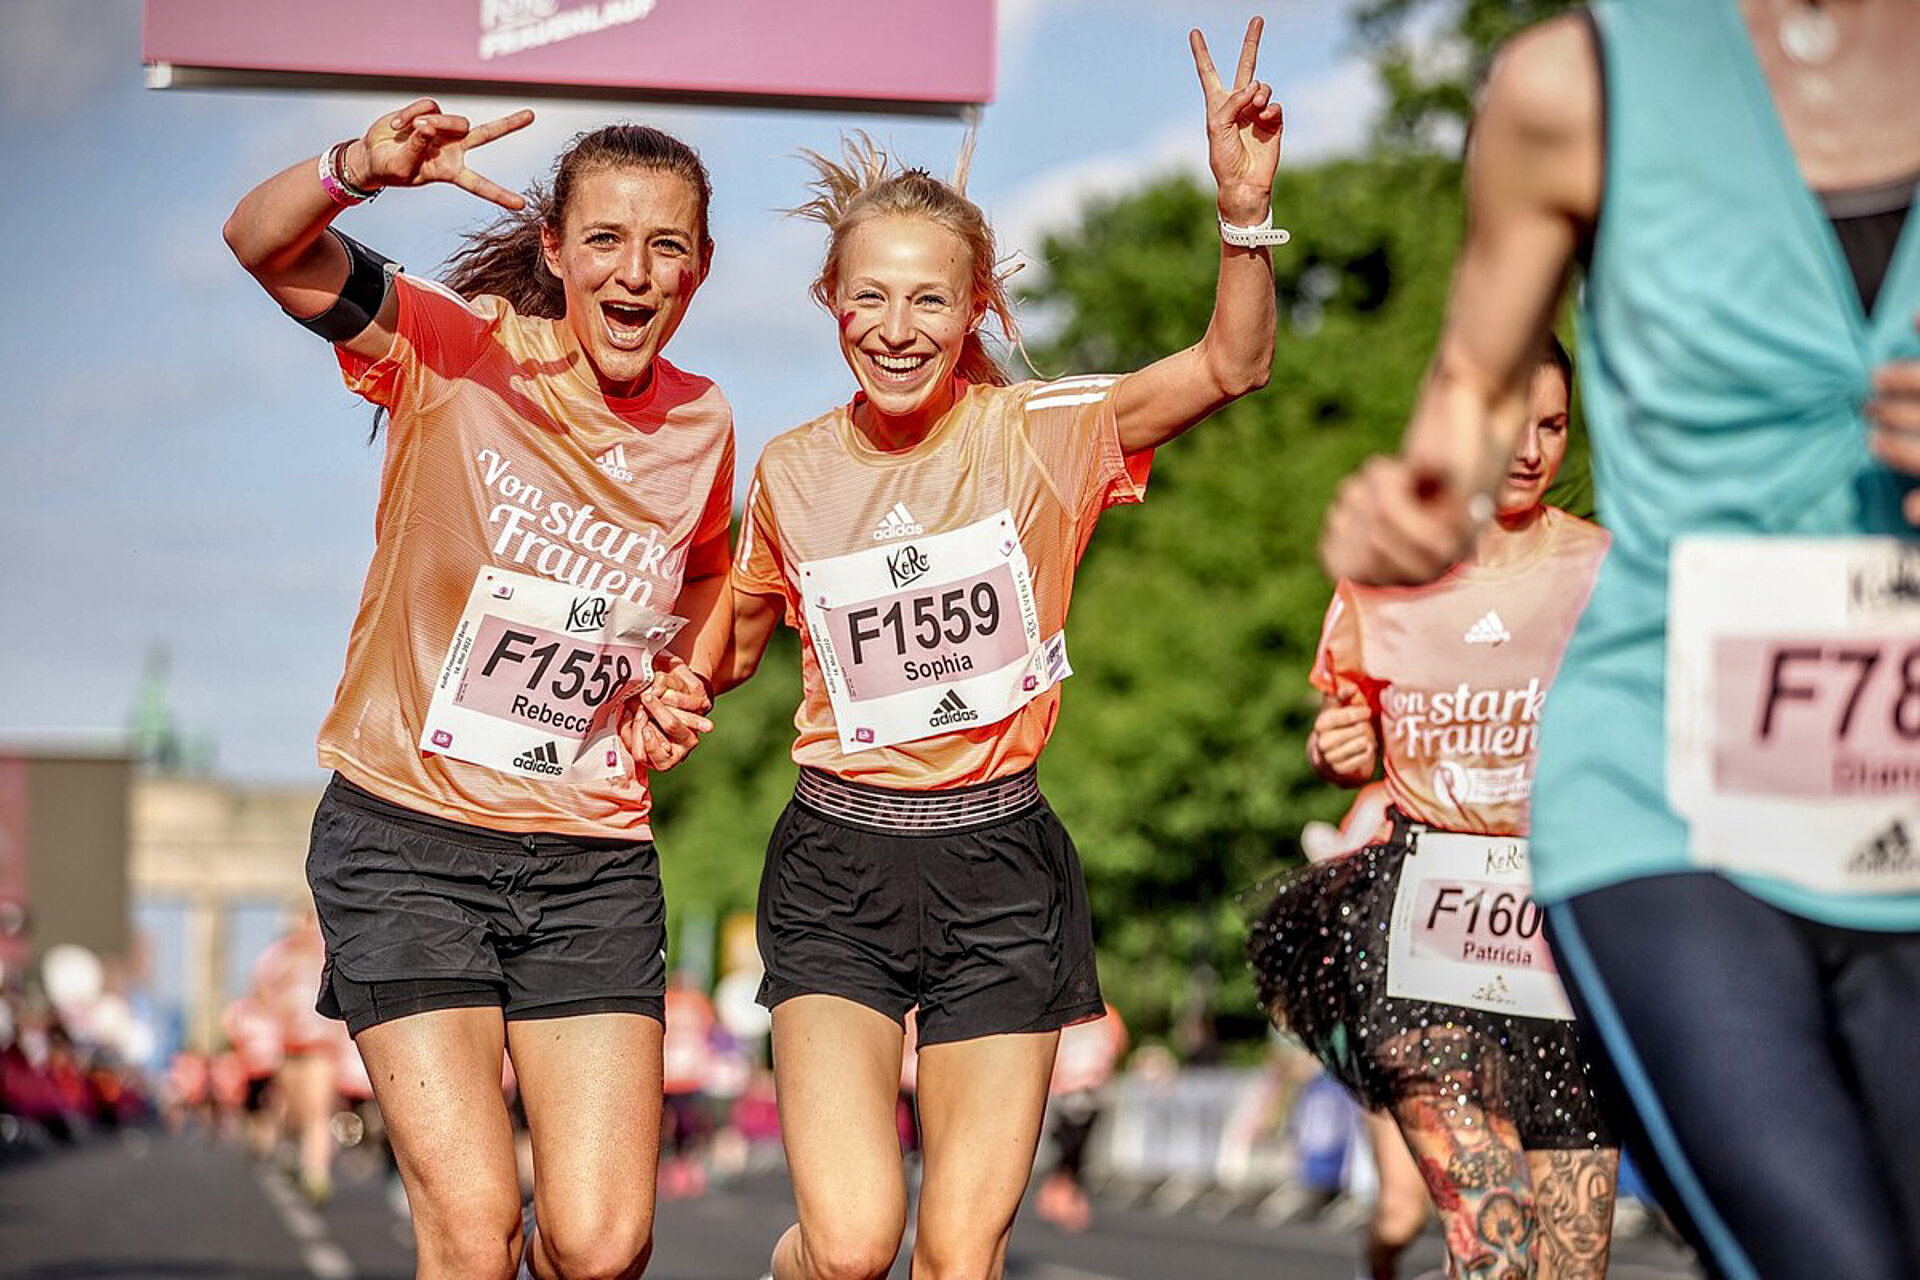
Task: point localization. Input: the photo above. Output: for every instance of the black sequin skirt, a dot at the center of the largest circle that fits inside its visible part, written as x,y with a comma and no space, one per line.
1319,954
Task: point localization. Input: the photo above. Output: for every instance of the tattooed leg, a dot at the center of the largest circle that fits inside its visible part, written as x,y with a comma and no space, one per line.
1476,1172
1574,1193
1471,1160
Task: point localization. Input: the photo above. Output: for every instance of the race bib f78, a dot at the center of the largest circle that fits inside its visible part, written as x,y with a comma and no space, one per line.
1793,708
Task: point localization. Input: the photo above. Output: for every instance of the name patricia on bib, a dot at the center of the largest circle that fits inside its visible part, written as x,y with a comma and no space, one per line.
573,542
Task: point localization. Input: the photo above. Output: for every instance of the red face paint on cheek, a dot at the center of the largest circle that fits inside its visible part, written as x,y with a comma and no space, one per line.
846,320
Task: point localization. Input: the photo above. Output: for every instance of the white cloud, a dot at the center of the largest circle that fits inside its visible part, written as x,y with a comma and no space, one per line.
1329,116
1332,115
1056,199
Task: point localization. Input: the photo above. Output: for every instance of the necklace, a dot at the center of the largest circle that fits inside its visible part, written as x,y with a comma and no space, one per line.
1807,33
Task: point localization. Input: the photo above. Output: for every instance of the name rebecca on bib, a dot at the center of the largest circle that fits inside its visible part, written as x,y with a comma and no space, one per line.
573,543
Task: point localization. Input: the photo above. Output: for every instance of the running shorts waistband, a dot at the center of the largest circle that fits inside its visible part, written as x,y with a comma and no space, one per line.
345,792
917,812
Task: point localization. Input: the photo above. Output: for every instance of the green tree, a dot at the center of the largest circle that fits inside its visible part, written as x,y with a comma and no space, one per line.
1431,55
1180,763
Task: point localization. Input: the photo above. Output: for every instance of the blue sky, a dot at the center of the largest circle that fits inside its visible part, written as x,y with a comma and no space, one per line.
181,464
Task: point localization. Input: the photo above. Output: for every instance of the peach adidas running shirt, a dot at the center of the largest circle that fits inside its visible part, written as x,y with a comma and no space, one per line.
527,524
930,586
1457,674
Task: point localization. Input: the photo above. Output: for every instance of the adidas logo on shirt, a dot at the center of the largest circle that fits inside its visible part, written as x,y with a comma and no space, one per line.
1489,630
951,710
898,523
542,759
614,463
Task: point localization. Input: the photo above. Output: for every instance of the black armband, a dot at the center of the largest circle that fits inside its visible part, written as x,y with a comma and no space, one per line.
369,276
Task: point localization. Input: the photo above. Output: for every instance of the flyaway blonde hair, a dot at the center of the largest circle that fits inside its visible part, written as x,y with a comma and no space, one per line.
866,182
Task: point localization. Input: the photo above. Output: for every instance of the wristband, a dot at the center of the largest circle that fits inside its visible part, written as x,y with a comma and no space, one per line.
1254,237
333,179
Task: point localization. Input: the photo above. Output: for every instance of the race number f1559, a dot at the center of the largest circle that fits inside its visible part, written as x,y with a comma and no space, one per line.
919,638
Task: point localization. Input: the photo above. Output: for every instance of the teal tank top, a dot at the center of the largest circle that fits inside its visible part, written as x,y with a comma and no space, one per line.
1725,363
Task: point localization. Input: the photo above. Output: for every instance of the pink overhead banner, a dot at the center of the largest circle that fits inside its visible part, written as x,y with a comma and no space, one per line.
925,56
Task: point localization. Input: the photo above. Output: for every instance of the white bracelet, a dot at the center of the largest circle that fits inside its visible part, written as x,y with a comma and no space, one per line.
1254,237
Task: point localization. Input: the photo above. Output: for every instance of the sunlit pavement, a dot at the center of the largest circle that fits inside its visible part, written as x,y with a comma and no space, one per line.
151,1207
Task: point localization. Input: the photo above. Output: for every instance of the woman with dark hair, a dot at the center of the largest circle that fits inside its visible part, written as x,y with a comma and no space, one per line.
1415,968
553,505
923,539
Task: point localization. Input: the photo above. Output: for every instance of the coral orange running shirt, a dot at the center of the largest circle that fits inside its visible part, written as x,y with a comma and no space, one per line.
930,585
531,541
1457,673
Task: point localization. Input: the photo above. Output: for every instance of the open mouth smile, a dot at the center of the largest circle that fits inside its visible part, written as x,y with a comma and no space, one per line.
626,324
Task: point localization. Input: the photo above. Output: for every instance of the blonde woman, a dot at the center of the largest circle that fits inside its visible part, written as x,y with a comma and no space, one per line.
923,540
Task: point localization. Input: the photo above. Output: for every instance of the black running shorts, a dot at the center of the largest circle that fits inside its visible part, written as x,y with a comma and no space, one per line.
420,913
984,927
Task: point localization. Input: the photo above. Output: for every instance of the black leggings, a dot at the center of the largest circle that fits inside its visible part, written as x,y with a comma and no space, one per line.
1773,1066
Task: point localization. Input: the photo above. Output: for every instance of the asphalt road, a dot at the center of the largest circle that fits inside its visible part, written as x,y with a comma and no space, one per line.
147,1206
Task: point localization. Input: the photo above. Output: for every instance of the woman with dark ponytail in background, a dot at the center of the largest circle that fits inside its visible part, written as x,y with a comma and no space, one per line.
544,608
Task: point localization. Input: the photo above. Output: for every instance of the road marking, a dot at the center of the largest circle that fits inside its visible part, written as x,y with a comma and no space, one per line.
328,1261
325,1259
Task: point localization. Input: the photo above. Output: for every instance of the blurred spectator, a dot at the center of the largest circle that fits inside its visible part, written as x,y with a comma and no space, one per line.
1082,1068
687,1062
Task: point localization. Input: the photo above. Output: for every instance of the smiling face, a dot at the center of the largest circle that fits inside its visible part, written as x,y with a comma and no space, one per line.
905,305
1543,445
630,252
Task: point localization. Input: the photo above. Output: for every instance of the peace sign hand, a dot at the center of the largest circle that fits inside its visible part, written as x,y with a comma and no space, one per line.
1243,131
420,144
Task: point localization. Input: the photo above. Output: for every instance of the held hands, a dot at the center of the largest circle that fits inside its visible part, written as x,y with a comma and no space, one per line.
419,144
1396,522
1344,742
672,716
1243,131
1894,416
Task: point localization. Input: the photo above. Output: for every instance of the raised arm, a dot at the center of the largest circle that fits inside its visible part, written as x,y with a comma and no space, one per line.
1243,148
277,231
1533,191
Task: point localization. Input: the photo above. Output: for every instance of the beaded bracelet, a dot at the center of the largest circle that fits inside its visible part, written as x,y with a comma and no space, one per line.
333,178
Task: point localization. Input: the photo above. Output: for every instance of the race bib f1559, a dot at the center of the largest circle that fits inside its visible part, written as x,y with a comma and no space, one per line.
929,636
